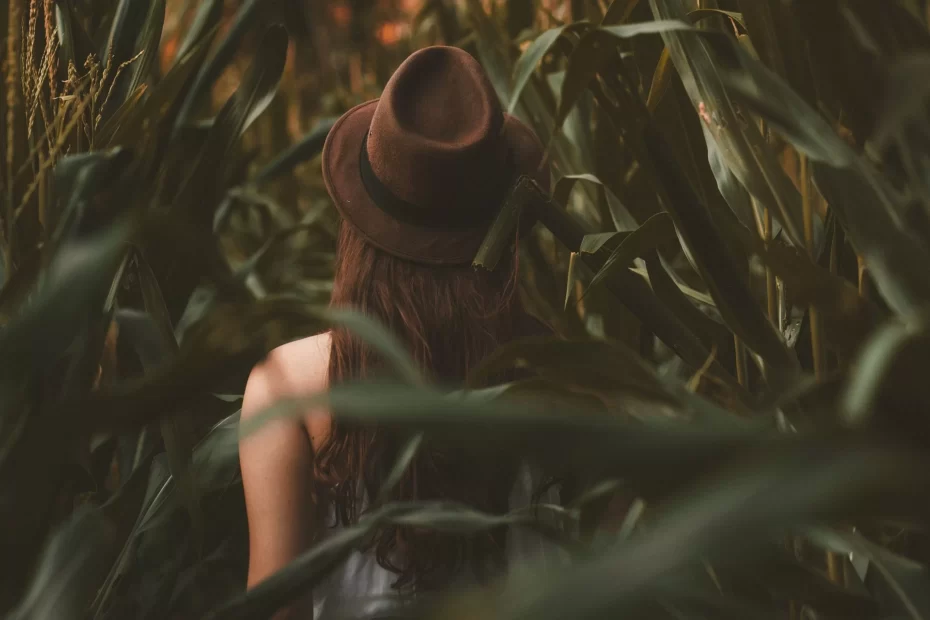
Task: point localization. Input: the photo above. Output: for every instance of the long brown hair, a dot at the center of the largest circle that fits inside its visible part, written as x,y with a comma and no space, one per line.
450,318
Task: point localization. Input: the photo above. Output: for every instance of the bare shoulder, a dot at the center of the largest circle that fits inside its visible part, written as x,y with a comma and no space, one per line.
296,368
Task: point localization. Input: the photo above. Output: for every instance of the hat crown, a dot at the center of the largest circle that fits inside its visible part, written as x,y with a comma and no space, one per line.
421,172
434,139
441,95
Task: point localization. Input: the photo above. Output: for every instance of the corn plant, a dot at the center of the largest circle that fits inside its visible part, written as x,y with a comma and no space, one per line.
734,252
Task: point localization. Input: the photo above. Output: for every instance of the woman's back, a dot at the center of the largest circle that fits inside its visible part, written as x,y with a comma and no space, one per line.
360,587
418,177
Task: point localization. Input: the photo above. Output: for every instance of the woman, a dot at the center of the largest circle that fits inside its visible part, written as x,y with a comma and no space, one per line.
418,176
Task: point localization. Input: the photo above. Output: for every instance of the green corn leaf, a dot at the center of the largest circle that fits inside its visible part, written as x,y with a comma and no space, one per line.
591,244
740,144
636,244
583,64
730,517
526,64
654,457
159,106
668,290
908,580
715,262
592,365
619,11
863,200
659,26
699,14
178,432
148,45
306,149
73,40
69,570
212,69
205,20
381,339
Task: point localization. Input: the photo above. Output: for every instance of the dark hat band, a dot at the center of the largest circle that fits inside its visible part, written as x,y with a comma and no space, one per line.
408,213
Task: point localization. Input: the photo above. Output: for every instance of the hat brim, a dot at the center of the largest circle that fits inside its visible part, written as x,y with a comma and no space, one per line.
342,176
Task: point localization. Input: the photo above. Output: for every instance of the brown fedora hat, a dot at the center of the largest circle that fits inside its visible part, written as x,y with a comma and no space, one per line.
422,171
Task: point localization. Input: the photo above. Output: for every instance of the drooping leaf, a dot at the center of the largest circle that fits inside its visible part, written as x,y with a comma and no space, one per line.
619,12
874,369
306,149
136,23
178,432
129,19
75,284
653,456
212,69
776,34
79,177
660,81
229,340
232,338
148,44
629,288
16,290
739,141
205,20
592,365
714,259
140,330
252,263
66,313
849,317
663,72
658,26
907,579
904,104
123,511
701,240
69,571
730,517
668,290
566,184
158,106
127,109
536,107
594,242
699,14
297,577
214,467
75,43
501,234
636,244
381,339
312,566
585,61
715,184
864,202
786,112
255,92
274,55
526,64
407,454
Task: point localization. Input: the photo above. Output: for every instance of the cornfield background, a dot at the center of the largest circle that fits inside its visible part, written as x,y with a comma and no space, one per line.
736,255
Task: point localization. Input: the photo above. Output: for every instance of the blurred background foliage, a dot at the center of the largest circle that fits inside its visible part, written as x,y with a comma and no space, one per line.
735,254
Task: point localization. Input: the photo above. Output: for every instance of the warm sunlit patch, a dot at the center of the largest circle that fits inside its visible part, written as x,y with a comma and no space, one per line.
168,50
341,14
390,33
410,6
